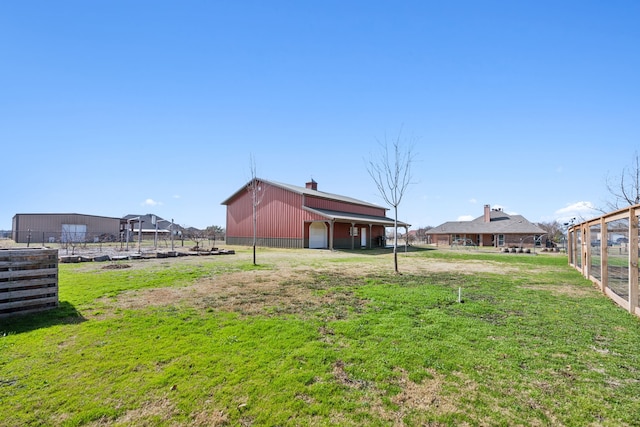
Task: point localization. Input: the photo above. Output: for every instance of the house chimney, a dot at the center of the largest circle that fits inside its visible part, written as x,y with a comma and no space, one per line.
487,213
312,185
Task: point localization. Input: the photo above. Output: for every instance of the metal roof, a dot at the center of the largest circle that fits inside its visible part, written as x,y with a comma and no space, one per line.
359,218
147,224
65,214
306,191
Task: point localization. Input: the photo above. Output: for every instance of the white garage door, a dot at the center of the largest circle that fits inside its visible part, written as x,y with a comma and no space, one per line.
73,232
318,235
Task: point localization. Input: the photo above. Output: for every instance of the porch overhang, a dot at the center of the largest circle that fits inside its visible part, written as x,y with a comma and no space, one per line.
349,217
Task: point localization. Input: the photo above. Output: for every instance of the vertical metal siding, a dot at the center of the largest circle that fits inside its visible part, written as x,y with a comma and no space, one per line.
44,226
320,203
281,221
279,215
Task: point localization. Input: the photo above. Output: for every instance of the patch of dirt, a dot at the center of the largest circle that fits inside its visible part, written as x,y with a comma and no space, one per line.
563,290
343,378
209,418
115,266
426,396
163,409
249,293
463,267
289,286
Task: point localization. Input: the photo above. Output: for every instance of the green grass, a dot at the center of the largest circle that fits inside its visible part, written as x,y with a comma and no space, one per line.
532,343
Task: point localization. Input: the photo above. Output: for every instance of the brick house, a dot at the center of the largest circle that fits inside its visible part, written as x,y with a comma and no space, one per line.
289,216
494,228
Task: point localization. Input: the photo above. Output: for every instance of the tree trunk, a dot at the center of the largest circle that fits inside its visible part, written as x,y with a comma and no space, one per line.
395,239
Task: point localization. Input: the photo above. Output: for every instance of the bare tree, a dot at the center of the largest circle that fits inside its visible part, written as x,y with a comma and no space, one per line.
421,234
391,172
256,192
214,232
69,238
625,190
553,230
196,235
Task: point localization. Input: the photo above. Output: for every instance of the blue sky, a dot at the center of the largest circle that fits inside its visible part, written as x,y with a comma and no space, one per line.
125,107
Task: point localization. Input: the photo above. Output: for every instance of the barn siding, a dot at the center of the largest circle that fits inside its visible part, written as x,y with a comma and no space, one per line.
45,226
276,204
271,242
282,221
320,203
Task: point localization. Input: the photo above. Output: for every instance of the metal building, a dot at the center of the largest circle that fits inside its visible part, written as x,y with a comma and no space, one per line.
46,228
289,216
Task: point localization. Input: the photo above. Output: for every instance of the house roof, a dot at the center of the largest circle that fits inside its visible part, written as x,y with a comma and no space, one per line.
65,214
500,223
305,191
359,218
147,224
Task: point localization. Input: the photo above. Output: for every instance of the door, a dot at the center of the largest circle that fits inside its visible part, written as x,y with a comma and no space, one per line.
73,233
317,235
363,237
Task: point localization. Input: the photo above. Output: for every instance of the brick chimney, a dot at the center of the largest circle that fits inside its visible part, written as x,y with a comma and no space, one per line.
487,213
312,185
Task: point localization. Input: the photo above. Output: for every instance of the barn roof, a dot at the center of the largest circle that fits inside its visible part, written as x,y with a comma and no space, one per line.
305,191
352,217
64,214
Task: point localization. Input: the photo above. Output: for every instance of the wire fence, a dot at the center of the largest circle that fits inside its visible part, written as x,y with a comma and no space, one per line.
605,250
74,241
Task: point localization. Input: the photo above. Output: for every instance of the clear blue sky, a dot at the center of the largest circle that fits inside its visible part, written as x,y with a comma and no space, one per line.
114,107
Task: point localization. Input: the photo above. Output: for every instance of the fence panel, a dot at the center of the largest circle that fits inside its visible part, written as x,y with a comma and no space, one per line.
28,280
595,240
605,250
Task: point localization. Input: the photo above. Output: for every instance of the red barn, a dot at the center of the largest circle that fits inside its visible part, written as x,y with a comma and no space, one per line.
289,216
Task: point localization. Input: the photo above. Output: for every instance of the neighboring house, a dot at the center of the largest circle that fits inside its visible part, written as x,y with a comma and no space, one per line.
289,216
48,228
150,225
495,228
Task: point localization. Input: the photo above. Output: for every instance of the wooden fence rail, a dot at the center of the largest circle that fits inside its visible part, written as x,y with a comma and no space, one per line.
605,250
28,280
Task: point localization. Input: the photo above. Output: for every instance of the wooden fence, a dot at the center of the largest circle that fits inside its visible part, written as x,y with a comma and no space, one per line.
605,250
28,280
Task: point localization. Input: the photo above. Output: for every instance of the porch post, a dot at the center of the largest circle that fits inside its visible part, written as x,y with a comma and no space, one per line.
406,238
331,235
353,227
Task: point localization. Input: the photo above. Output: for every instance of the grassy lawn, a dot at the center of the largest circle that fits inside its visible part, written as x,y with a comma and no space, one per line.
319,338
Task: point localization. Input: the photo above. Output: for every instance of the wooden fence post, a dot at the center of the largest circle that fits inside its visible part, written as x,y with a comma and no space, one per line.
604,255
633,260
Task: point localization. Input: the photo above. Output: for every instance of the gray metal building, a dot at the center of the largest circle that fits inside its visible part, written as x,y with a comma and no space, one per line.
46,228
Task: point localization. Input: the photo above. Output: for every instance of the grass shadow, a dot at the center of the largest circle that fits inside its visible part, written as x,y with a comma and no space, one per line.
64,314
